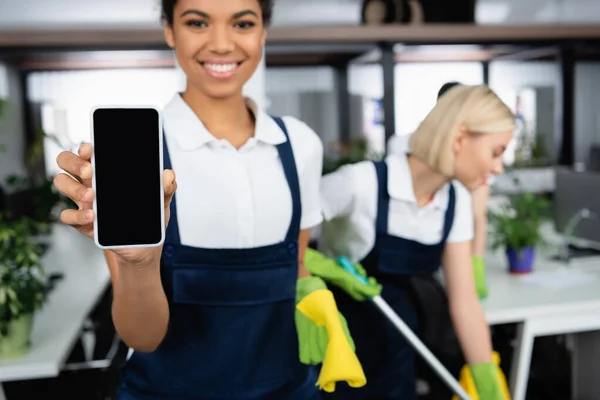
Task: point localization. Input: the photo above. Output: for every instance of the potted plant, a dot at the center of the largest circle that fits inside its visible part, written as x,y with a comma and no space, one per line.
38,201
516,227
22,285
32,193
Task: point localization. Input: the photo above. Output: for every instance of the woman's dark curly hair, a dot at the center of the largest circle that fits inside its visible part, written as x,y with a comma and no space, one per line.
266,7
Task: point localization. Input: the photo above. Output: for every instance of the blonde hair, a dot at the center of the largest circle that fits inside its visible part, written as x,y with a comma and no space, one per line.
476,109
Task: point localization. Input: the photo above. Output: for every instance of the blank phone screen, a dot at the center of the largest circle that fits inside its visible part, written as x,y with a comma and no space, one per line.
127,160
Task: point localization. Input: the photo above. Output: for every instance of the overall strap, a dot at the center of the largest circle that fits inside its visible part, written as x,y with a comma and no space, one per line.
286,154
172,233
449,215
383,197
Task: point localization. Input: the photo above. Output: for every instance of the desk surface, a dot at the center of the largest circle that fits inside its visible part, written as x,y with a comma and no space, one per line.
58,324
514,298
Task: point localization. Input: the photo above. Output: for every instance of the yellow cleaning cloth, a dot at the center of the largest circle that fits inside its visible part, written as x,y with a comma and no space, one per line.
340,363
467,382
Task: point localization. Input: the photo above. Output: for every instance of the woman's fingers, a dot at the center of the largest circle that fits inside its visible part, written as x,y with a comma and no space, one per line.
76,184
75,165
170,186
76,191
85,152
78,218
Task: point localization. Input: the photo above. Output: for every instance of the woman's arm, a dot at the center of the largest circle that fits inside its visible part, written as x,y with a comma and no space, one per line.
480,200
465,309
302,245
140,310
111,260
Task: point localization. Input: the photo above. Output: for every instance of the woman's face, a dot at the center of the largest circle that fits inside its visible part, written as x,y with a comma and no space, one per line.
218,43
478,157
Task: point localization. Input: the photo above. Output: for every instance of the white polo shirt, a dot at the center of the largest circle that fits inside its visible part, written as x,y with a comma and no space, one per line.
349,202
230,198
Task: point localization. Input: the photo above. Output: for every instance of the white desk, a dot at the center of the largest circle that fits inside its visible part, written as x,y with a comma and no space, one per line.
58,324
540,310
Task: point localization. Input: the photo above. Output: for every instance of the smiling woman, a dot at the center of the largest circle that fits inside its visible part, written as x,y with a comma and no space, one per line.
212,314
218,44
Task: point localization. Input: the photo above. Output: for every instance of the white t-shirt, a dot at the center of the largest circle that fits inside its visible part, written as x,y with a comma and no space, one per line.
349,203
230,198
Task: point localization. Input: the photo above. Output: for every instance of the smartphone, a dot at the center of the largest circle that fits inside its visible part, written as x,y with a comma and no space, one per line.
127,180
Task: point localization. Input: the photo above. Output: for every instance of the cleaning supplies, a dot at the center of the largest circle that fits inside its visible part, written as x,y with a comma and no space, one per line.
480,278
323,336
313,338
484,381
329,269
406,331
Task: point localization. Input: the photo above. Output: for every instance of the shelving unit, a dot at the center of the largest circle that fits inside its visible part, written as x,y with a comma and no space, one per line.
292,35
334,46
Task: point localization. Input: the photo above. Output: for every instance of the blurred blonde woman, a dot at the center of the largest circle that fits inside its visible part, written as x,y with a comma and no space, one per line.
479,197
406,216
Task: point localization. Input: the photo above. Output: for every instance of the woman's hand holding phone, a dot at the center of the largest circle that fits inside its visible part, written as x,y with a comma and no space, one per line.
78,187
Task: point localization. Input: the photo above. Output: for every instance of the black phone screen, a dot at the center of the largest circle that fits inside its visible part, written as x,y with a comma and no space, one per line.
128,174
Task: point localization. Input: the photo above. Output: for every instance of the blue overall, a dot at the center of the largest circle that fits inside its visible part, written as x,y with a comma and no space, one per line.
387,358
232,334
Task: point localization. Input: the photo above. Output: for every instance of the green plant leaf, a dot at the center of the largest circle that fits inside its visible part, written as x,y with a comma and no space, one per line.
22,278
517,224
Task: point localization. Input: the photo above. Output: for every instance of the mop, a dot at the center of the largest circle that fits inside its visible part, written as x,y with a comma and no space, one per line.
408,334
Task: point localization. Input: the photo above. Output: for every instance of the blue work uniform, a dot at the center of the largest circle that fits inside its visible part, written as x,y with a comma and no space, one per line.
387,358
231,333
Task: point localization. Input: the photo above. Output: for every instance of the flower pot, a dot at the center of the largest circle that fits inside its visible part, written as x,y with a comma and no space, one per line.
520,261
16,341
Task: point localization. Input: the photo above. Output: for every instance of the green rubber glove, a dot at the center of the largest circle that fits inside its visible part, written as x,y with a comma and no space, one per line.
312,339
485,376
480,278
330,270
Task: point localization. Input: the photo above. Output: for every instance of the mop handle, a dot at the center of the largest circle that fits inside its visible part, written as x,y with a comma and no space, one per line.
351,269
408,334
420,347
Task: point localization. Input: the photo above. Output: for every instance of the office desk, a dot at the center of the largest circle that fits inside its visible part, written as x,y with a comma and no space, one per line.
543,310
58,324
